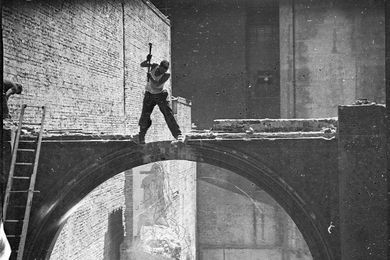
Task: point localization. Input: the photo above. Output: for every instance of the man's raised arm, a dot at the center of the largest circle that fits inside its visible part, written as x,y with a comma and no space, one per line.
146,63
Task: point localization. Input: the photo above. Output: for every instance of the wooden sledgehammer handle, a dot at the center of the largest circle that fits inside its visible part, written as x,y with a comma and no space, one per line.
150,52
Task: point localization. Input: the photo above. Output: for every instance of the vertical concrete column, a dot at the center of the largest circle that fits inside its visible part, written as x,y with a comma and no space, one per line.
387,53
387,82
286,31
362,182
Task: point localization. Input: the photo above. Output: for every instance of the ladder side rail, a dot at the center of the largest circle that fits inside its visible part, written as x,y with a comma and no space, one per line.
13,161
31,191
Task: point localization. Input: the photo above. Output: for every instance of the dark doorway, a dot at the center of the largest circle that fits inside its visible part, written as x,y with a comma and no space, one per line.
262,59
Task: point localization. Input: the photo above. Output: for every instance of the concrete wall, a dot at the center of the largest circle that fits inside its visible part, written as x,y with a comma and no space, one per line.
81,59
334,51
387,20
209,60
363,182
237,220
262,59
331,53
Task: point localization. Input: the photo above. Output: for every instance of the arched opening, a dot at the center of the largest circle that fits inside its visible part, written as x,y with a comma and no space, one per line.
179,210
93,172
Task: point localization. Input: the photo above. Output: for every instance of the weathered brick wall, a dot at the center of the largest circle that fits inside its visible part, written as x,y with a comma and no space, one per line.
83,235
73,57
339,55
114,235
143,25
181,107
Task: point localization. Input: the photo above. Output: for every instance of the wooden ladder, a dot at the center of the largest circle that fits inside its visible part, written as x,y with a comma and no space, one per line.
21,182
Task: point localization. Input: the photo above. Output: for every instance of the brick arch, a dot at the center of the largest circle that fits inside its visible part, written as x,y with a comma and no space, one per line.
95,170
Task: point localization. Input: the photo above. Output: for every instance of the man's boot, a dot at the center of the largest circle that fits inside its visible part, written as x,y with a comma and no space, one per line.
141,138
180,139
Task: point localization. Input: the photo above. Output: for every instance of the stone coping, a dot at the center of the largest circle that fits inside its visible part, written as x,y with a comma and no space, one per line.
193,135
275,125
182,100
223,129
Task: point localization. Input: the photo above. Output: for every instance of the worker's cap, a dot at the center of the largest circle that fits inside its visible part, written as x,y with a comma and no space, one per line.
164,64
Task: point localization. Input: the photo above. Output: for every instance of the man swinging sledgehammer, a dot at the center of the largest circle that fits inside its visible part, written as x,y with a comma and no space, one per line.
156,94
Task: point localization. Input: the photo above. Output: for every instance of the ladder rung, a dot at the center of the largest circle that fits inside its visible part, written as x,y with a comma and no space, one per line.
34,106
28,135
20,191
21,177
24,137
23,163
30,123
13,220
26,150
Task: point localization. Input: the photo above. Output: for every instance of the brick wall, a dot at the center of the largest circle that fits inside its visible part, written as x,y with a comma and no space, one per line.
83,235
143,26
81,59
114,235
86,234
339,55
182,109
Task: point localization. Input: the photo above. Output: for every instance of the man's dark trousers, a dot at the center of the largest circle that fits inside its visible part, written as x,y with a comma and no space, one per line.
150,100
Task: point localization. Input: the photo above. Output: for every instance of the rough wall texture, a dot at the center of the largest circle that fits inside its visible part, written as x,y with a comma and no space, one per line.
182,109
114,235
160,211
92,214
83,236
335,56
331,53
237,220
363,182
143,26
209,60
81,59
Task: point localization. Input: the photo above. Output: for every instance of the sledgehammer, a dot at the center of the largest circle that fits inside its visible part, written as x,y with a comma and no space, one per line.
150,53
